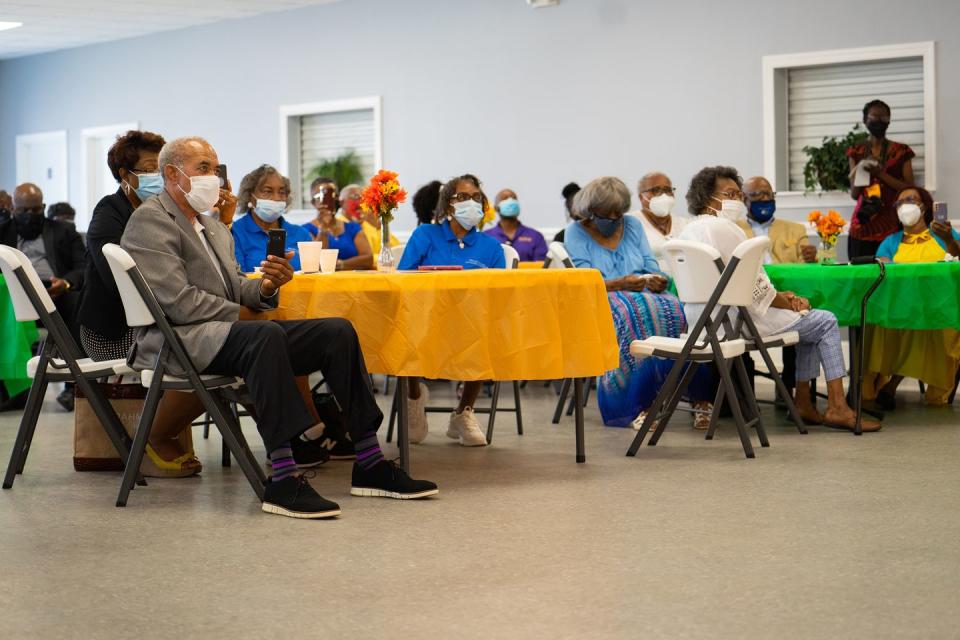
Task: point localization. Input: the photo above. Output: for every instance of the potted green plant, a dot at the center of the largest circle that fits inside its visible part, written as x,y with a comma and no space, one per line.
344,169
827,168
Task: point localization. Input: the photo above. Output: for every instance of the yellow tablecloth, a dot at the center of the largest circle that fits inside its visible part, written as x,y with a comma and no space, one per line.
467,325
536,264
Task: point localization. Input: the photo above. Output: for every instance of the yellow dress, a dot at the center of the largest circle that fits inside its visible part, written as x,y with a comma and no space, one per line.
928,355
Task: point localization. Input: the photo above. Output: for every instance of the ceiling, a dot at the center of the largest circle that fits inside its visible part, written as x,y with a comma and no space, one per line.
49,25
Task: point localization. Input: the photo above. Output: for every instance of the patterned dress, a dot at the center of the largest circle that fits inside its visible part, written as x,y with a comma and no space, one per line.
894,157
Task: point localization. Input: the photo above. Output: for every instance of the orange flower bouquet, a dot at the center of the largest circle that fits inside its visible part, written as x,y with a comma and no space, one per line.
381,198
828,227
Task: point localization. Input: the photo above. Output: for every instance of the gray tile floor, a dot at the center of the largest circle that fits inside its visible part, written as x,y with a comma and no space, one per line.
820,536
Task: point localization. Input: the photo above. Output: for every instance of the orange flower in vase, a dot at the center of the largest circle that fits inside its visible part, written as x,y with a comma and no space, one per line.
828,228
381,197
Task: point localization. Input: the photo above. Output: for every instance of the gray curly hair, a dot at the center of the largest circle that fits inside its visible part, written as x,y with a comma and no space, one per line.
253,180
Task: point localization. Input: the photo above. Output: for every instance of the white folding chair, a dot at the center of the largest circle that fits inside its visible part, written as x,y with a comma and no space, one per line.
142,310
510,256
701,278
557,257
59,360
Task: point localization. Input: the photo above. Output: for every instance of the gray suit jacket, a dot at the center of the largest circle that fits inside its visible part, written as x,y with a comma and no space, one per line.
185,282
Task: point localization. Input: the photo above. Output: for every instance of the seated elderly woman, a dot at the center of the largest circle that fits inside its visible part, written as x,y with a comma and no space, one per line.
928,355
716,199
604,238
264,196
335,233
454,241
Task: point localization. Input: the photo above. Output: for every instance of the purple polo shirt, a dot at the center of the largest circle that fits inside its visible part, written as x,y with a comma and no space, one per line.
528,242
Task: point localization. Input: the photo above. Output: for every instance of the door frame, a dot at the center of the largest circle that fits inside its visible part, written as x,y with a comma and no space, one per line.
59,135
86,136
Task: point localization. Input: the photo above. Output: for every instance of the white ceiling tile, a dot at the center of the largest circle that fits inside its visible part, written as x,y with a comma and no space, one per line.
49,25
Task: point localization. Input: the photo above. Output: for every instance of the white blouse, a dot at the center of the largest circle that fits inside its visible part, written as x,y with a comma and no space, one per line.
657,239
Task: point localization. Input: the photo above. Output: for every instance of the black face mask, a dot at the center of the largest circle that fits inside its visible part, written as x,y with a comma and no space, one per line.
877,128
4,214
29,225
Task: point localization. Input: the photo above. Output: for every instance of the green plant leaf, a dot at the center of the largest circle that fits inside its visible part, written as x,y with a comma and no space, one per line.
344,169
827,167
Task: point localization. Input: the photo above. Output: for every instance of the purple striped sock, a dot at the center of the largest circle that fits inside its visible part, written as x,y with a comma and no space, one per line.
368,451
282,463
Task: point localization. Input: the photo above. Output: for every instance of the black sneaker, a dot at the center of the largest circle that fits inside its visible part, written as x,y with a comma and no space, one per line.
308,453
338,447
387,480
295,498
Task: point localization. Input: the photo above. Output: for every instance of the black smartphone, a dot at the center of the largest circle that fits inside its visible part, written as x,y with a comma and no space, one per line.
940,211
221,171
276,242
327,198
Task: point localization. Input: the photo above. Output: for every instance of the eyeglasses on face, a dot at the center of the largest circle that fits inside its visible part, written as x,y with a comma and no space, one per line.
729,194
660,191
908,200
463,197
762,195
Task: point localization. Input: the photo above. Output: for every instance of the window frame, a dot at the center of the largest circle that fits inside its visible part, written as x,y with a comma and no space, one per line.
290,115
776,121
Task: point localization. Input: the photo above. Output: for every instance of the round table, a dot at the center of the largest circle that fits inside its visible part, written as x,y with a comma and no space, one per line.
483,324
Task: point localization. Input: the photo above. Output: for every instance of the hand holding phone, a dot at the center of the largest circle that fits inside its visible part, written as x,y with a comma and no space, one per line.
276,242
940,211
221,171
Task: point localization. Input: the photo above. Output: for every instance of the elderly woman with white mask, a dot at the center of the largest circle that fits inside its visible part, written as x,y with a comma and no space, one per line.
656,194
264,196
716,199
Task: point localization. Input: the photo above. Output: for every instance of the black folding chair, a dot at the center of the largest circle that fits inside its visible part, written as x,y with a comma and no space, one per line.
59,360
143,310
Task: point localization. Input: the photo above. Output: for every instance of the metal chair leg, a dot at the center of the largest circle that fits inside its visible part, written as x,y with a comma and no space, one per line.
578,420
516,404
493,411
562,400
139,446
393,413
28,424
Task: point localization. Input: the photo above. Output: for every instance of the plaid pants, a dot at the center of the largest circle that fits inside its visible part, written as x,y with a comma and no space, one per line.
819,344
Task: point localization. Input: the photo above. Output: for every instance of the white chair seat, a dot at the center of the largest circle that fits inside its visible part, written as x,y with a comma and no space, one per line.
210,381
107,367
664,347
787,338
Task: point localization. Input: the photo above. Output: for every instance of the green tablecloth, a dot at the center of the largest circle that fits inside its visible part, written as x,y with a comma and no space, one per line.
912,296
15,341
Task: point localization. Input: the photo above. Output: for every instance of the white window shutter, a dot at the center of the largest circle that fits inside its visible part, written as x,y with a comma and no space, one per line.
827,100
325,136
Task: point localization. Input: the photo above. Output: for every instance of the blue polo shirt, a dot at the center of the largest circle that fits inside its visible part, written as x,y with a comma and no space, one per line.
528,242
250,242
435,245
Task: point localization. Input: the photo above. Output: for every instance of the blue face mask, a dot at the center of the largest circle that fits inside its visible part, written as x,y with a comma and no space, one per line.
468,214
150,184
509,208
762,211
607,226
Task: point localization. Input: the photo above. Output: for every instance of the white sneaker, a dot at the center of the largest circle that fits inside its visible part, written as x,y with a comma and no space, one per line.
465,428
417,416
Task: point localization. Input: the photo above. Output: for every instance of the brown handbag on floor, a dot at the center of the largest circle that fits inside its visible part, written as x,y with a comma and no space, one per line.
92,449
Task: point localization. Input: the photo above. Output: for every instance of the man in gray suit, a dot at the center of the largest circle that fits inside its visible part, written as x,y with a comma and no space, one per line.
188,261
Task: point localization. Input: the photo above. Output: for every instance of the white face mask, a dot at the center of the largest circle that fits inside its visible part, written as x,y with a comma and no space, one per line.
270,210
731,210
204,191
909,214
662,205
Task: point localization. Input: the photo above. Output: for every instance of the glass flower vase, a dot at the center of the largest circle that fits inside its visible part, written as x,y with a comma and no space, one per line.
828,250
385,261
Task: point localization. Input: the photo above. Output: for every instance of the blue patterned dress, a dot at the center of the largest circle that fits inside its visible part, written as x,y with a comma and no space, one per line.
629,389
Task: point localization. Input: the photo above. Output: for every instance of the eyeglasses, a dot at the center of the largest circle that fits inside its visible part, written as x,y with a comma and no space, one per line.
761,195
463,197
908,200
729,194
660,191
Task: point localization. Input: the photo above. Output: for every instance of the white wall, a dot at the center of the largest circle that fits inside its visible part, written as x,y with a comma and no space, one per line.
524,98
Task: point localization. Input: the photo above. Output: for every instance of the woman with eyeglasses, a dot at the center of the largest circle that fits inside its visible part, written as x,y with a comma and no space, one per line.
928,355
716,199
453,241
656,194
606,239
890,167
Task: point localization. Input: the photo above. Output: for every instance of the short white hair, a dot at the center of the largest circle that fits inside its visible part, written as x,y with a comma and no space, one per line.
604,195
176,151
